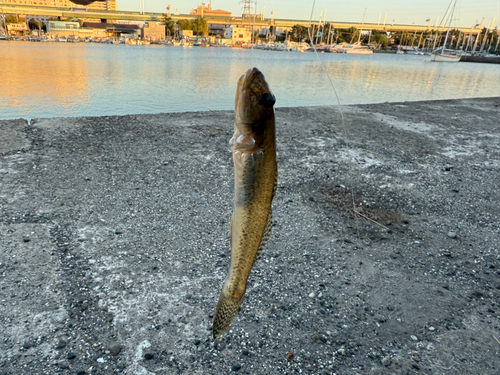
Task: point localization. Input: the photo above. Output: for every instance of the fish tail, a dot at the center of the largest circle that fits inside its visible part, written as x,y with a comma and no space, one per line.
226,310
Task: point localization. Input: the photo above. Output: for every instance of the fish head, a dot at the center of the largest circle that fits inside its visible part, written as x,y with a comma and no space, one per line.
254,100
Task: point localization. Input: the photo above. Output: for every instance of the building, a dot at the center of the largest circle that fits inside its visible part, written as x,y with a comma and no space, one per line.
98,5
112,30
206,11
186,33
216,29
153,31
238,34
17,29
66,29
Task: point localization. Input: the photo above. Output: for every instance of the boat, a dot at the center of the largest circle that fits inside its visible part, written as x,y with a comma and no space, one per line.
357,49
447,55
414,51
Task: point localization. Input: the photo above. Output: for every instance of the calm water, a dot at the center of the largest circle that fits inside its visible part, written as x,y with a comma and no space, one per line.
59,79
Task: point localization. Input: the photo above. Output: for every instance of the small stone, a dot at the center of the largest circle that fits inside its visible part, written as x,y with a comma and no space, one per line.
27,345
236,367
432,329
414,338
71,355
341,351
101,360
452,234
312,295
81,373
415,366
197,342
148,356
26,239
118,232
61,344
386,361
115,348
244,352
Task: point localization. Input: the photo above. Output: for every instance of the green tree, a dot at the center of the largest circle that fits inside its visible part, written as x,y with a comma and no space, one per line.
200,26
298,33
495,46
184,25
11,19
169,25
346,35
380,37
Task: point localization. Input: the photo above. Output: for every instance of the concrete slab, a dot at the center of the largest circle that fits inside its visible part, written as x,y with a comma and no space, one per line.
114,243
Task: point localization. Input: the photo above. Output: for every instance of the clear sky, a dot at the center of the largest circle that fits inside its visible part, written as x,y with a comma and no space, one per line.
416,12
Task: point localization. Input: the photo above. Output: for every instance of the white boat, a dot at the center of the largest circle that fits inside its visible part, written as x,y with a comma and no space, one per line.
414,51
357,49
447,55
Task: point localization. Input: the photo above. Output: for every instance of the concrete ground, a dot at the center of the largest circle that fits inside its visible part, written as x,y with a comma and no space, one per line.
114,243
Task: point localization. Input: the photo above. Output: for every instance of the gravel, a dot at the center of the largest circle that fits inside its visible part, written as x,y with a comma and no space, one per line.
114,233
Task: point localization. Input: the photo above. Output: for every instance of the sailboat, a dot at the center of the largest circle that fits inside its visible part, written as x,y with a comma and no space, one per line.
357,48
447,55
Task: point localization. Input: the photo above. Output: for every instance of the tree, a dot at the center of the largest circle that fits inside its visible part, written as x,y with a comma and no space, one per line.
298,33
346,35
380,37
495,47
11,19
184,25
169,25
200,26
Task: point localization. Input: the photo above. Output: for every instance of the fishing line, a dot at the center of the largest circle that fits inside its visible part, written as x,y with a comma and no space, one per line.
338,103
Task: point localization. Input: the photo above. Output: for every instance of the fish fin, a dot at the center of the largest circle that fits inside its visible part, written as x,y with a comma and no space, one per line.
231,232
265,236
226,310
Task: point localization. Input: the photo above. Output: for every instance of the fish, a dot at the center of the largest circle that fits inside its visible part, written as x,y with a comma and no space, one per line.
255,181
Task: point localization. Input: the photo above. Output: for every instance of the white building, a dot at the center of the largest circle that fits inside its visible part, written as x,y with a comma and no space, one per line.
238,34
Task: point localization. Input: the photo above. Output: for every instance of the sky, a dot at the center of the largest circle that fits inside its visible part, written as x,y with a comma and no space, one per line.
467,13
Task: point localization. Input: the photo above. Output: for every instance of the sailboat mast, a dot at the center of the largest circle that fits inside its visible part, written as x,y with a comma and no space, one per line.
449,26
362,22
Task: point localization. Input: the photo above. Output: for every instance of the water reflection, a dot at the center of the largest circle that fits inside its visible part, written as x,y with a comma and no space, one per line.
52,79
32,78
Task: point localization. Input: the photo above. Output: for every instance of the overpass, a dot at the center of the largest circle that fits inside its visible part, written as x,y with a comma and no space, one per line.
78,12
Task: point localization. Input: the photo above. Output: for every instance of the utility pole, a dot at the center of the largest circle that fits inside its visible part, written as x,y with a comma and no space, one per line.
247,8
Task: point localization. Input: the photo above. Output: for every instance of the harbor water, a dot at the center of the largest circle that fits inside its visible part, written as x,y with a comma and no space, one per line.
70,79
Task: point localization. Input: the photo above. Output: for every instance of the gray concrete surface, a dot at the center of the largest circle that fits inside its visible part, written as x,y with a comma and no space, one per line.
114,242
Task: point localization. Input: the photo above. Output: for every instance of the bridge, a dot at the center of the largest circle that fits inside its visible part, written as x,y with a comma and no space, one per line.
157,17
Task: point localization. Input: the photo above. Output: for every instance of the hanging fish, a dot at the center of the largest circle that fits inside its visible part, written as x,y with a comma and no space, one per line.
255,179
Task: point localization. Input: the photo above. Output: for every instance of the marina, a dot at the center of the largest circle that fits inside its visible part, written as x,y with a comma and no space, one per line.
95,79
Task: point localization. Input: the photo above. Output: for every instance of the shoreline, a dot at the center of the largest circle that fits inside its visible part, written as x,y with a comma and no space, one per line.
114,233
310,107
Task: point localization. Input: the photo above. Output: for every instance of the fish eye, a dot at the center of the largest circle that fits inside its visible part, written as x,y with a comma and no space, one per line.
267,100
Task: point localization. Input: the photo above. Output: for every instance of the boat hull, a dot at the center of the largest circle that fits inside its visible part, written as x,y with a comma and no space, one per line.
359,51
445,58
